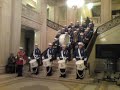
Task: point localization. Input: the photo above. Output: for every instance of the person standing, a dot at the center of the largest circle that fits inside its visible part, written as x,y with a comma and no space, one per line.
80,54
21,60
37,56
49,54
10,68
63,55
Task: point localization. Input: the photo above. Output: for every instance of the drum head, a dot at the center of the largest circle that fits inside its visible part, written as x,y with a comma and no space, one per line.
61,61
32,61
80,62
64,39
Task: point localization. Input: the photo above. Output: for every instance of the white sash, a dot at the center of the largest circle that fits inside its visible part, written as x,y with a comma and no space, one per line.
63,55
79,54
35,56
49,56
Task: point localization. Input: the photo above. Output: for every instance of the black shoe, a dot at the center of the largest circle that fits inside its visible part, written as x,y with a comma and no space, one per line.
77,78
19,76
49,75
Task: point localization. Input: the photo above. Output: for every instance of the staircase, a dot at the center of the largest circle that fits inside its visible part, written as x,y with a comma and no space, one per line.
71,67
71,73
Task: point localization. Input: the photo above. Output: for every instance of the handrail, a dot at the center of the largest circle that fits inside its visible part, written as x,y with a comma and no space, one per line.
108,25
101,29
91,43
54,25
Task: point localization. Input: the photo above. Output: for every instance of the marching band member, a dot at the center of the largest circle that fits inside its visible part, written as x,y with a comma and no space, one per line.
56,47
81,37
49,54
79,54
37,56
88,34
63,55
21,60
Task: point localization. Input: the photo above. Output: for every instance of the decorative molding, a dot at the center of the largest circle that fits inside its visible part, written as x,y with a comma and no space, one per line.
31,18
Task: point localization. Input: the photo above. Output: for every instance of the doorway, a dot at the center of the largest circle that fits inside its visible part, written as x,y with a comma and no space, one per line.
27,40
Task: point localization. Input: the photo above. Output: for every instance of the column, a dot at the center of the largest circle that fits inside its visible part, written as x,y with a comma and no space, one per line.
106,10
16,25
44,25
5,29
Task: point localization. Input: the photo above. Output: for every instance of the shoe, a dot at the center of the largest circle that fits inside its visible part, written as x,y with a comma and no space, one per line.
77,78
19,76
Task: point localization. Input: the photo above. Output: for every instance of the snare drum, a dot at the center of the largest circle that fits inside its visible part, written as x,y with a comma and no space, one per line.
33,63
80,65
62,64
46,62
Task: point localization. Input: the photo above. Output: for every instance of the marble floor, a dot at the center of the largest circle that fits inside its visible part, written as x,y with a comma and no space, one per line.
26,83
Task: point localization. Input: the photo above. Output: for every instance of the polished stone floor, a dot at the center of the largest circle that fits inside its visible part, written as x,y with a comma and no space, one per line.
26,83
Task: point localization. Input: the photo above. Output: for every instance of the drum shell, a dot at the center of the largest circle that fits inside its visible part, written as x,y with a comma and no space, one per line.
61,64
46,62
33,63
80,65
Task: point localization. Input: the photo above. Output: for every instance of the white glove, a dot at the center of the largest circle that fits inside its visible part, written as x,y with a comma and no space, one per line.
29,57
74,59
85,59
43,58
57,58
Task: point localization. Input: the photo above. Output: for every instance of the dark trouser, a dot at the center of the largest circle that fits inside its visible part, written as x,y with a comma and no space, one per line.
10,68
49,71
63,73
20,70
36,70
80,74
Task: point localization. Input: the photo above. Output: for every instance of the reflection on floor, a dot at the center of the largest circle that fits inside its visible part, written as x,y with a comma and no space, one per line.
10,82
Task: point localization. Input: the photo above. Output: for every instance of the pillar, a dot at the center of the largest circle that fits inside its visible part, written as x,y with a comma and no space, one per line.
5,29
16,25
43,32
106,10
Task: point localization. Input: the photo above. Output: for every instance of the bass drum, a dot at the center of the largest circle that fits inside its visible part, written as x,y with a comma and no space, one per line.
64,39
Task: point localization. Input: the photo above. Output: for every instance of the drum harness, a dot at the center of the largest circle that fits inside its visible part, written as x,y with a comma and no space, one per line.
62,73
83,74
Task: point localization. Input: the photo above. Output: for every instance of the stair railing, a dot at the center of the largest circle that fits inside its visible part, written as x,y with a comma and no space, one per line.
54,25
101,29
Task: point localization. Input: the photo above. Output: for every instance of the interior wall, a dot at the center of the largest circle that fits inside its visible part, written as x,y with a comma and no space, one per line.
51,35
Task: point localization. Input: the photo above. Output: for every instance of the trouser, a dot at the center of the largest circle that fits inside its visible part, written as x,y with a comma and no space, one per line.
20,70
36,70
10,68
49,70
63,73
79,74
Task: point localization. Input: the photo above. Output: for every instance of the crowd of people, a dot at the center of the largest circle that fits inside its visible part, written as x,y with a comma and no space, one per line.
79,34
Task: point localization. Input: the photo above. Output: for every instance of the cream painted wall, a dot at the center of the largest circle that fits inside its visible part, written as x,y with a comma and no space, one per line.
51,12
50,35
110,37
116,6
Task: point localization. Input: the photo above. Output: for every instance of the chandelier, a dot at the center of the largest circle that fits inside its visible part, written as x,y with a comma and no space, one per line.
75,3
